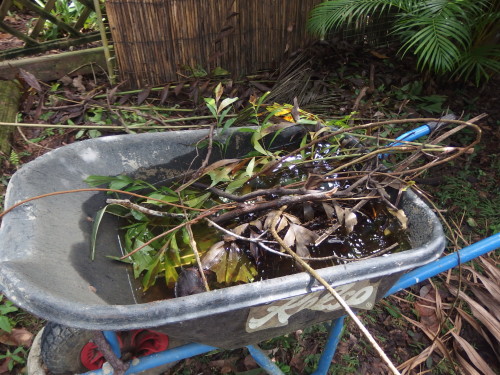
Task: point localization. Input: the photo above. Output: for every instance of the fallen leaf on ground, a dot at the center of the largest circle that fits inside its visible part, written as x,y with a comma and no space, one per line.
18,336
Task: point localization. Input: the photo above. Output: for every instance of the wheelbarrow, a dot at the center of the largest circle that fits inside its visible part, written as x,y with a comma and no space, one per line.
45,267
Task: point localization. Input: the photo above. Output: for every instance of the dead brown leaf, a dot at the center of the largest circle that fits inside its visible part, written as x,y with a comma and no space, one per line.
164,94
4,366
473,355
426,309
29,79
225,366
479,312
18,336
414,362
466,366
78,84
143,95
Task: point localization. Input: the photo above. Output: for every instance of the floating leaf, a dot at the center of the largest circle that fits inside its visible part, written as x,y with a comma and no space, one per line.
300,237
230,264
401,216
329,210
350,221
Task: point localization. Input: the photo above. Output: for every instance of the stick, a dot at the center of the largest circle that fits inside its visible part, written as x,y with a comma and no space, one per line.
327,286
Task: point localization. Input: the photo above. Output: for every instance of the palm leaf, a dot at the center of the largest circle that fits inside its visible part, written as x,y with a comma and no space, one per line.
479,63
333,14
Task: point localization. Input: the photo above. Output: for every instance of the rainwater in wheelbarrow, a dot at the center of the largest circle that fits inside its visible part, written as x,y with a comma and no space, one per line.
45,266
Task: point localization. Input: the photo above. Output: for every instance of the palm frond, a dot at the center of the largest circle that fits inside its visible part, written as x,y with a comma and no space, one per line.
333,14
479,63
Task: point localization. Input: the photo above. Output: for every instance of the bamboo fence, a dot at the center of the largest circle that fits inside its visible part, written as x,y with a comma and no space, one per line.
157,41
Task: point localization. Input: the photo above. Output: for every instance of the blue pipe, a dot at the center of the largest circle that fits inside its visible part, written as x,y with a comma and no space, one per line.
444,264
419,132
112,339
330,347
263,361
159,359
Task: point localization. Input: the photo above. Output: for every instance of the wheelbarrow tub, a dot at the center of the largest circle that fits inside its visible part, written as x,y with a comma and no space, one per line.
45,265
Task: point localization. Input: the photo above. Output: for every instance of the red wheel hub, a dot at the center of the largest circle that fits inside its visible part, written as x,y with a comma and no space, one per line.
138,343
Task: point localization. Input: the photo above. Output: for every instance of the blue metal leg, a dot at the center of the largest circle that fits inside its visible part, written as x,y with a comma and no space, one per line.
158,359
263,361
330,347
112,339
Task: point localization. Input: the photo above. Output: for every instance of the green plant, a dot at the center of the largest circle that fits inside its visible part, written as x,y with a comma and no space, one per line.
6,321
454,37
68,12
16,357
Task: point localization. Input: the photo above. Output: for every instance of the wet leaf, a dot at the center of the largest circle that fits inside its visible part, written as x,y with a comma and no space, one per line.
329,210
95,228
308,211
339,211
231,265
401,216
350,221
300,237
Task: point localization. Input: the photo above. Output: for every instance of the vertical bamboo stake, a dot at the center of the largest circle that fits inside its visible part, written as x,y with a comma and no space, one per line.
107,54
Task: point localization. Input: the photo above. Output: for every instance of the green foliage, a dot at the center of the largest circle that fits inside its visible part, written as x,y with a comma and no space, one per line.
6,322
15,357
68,12
481,210
448,37
159,243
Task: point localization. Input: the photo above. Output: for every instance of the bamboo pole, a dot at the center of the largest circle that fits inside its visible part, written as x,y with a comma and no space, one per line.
10,95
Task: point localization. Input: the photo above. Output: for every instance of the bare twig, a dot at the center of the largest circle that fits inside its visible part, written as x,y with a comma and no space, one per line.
118,365
257,207
337,296
93,189
127,203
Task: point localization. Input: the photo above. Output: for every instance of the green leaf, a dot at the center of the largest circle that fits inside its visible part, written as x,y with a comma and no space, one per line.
5,324
173,252
210,102
236,184
153,269
228,124
232,265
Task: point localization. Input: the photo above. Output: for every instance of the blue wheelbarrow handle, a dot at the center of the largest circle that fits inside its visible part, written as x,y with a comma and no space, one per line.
420,131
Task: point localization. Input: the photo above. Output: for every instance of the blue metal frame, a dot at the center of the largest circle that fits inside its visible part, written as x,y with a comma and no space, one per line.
414,277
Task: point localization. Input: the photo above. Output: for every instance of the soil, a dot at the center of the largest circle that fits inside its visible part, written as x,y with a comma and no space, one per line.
346,70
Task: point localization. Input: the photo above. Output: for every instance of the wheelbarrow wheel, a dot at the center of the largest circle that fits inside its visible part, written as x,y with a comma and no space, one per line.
61,348
66,350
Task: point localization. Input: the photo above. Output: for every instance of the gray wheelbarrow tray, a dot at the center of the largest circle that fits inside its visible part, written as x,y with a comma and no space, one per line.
45,265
